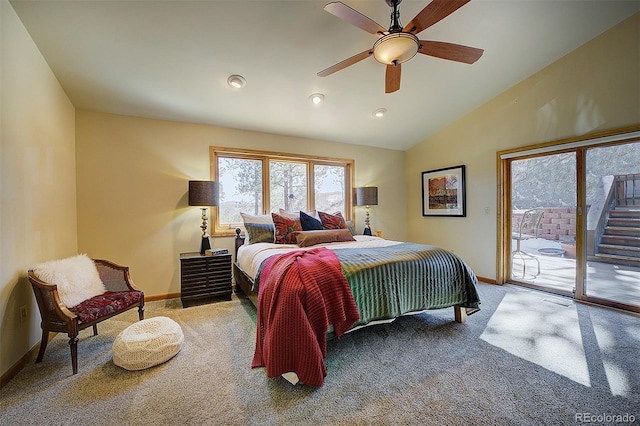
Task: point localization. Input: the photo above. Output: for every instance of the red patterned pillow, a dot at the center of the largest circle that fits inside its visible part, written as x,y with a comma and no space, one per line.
285,229
332,221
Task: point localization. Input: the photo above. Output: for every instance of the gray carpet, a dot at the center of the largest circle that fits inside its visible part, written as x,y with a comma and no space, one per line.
526,358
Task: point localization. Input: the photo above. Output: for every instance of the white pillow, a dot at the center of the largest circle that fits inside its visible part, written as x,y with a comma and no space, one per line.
263,218
296,214
77,278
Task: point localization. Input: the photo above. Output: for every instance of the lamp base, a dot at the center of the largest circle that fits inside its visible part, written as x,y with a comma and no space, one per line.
205,245
367,231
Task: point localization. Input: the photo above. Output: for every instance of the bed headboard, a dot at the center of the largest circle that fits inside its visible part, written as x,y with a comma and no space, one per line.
239,241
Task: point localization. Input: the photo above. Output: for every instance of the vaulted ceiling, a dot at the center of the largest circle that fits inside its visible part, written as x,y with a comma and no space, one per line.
171,60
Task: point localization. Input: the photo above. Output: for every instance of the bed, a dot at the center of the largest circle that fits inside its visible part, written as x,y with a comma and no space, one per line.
387,278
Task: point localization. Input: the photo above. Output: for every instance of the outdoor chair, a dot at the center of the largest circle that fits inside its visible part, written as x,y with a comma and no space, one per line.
120,296
526,229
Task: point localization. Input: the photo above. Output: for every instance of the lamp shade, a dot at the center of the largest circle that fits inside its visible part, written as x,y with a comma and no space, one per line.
367,196
203,193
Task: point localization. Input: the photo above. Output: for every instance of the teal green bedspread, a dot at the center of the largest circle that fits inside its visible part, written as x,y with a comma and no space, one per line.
391,281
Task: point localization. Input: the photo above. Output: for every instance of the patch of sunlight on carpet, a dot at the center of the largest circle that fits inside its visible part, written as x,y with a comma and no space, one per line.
541,332
618,379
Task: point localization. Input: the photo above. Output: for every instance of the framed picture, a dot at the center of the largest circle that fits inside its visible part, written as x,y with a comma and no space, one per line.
443,192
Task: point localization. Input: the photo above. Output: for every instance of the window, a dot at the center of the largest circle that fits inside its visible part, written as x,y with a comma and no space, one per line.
330,183
258,182
240,188
288,186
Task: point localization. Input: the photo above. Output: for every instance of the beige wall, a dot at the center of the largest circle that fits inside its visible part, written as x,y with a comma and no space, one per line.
37,177
594,88
132,188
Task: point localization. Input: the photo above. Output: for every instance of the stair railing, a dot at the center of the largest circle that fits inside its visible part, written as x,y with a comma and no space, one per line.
627,189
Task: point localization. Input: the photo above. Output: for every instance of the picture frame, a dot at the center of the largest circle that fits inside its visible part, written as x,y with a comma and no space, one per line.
444,192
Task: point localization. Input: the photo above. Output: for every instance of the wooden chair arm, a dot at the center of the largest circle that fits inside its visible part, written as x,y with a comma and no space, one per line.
51,307
115,277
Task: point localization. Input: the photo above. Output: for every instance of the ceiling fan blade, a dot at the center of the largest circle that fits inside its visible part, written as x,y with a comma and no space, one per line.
354,17
392,78
434,12
343,64
450,51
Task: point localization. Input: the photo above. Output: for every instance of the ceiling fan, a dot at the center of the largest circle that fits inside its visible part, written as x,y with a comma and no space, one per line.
399,44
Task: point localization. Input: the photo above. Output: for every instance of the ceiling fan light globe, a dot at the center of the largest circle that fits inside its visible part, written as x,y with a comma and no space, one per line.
395,48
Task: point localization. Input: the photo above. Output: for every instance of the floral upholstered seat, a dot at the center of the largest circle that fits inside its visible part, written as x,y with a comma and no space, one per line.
106,304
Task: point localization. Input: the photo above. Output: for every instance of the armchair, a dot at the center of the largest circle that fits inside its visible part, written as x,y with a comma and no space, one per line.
121,295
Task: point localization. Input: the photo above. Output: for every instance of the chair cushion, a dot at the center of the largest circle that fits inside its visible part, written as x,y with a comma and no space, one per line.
147,343
106,304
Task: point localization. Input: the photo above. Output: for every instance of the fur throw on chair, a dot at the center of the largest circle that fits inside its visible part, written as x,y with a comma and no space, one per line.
77,278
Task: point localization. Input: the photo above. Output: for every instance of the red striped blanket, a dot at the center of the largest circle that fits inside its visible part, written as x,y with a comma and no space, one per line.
300,294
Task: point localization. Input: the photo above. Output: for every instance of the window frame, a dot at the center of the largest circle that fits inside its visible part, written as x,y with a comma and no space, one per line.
216,152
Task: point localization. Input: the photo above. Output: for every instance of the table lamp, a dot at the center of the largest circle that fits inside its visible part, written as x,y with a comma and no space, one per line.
203,193
367,196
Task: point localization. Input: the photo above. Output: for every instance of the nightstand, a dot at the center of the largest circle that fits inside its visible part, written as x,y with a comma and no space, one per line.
204,277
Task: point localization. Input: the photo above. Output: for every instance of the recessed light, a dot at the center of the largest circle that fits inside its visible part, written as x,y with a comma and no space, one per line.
236,81
316,98
380,112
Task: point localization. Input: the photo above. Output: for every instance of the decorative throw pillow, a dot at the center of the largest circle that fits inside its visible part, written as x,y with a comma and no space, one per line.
285,229
309,223
332,221
76,277
310,238
253,219
351,226
259,232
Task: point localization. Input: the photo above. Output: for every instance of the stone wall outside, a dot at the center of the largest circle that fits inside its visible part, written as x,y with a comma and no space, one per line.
557,224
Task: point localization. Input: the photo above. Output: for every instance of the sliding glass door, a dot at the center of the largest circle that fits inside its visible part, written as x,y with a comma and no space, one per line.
612,231
570,219
543,221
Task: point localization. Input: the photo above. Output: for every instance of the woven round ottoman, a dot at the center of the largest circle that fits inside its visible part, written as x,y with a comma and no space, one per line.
147,343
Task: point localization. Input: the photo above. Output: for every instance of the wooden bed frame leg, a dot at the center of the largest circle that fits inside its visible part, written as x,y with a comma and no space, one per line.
460,313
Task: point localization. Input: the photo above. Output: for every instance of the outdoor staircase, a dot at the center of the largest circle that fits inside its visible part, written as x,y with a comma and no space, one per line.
620,242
